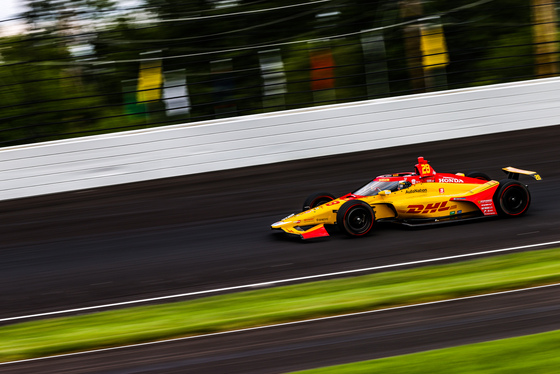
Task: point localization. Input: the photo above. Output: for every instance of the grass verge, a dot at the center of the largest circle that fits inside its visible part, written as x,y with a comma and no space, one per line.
276,305
535,354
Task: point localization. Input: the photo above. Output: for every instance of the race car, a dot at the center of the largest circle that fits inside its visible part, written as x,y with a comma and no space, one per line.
419,197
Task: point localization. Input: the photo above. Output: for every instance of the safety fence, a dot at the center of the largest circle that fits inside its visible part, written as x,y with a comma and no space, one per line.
77,71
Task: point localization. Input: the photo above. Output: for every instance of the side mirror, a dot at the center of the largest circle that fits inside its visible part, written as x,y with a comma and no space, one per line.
384,192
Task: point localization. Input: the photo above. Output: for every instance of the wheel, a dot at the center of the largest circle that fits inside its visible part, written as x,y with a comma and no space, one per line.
355,218
478,175
512,198
317,199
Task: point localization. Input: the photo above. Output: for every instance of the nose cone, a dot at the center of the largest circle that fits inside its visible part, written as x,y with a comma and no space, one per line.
308,224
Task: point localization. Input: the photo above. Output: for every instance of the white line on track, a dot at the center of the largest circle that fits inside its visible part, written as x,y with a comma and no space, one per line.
282,324
276,282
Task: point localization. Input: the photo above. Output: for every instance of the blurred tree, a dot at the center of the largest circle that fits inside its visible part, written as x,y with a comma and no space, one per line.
62,15
72,71
47,91
479,37
41,100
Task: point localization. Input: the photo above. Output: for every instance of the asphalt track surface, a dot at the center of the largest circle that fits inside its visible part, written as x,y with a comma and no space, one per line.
212,230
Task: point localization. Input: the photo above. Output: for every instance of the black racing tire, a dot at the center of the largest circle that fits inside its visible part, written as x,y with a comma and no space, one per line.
511,199
478,175
316,199
355,218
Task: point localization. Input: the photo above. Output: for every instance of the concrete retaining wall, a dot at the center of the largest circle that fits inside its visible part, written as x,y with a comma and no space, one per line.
281,136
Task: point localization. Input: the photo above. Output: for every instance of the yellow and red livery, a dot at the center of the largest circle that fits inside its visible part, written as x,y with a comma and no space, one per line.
411,198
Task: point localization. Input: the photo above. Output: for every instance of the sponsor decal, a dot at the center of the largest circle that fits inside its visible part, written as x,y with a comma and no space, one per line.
487,206
426,169
442,190
384,180
429,208
449,180
459,211
488,210
417,190
452,213
413,181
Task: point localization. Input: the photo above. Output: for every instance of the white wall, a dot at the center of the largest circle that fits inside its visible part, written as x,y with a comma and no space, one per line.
281,136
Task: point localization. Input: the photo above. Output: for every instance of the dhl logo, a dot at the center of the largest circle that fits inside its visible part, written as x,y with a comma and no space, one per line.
430,208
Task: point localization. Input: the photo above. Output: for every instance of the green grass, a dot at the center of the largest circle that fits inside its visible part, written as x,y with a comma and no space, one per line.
276,305
535,354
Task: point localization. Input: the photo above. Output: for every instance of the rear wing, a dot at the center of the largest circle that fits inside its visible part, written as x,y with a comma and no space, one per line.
513,173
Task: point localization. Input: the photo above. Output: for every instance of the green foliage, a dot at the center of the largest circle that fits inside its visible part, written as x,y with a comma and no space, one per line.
53,92
527,354
511,59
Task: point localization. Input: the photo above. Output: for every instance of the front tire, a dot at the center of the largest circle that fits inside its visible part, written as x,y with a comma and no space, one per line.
316,199
512,199
355,218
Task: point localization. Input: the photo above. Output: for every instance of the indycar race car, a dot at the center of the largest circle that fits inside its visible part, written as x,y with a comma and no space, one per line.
411,198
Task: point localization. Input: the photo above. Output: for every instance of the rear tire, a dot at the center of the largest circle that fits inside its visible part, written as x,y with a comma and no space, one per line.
355,218
512,199
478,175
316,199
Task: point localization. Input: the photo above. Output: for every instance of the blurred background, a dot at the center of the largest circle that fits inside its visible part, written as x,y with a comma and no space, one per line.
84,67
